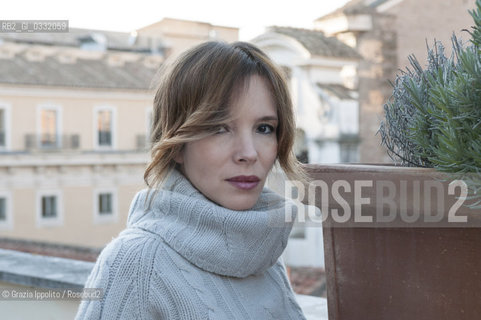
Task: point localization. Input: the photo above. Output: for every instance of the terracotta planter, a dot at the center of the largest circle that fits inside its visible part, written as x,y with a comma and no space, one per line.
399,269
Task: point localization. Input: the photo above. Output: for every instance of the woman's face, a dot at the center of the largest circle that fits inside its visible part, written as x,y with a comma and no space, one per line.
231,166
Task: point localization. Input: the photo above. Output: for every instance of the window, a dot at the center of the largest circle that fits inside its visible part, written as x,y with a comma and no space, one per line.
349,152
104,126
49,208
5,210
4,126
105,205
3,129
49,127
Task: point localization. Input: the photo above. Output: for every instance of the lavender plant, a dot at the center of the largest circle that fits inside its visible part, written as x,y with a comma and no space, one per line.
433,118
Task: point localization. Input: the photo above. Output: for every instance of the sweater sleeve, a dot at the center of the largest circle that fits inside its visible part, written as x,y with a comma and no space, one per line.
123,274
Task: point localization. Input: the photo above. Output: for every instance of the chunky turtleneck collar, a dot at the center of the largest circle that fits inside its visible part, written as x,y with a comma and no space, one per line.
215,239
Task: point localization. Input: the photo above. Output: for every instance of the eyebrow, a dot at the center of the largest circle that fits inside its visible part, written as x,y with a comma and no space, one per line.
268,118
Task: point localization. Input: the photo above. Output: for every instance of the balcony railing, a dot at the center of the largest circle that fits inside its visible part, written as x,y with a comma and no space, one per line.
48,142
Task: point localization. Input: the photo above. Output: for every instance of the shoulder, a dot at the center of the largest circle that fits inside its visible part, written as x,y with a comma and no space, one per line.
132,248
123,272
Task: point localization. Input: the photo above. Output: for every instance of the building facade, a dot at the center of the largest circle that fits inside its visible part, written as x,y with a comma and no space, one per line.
75,117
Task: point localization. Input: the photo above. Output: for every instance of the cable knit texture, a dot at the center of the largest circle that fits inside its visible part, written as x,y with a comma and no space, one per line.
185,257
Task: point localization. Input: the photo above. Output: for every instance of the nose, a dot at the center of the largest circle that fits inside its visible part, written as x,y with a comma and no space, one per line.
245,149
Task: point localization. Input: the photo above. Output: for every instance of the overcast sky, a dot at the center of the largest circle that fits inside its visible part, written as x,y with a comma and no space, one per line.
251,16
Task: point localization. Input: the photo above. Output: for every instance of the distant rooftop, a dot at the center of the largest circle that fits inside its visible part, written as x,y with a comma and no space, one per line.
83,58
113,40
317,43
84,73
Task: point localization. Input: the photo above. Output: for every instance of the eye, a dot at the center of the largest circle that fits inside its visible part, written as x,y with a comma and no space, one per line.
221,129
265,129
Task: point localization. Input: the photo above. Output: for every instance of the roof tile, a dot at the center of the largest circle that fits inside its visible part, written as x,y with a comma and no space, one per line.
317,43
86,73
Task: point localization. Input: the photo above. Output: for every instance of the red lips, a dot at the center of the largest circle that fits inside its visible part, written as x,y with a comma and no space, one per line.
244,182
245,179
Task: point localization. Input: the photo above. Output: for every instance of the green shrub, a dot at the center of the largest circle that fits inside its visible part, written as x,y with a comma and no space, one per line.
433,118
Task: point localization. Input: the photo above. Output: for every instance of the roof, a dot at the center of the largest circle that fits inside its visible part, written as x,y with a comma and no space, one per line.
317,43
354,7
120,41
82,72
185,21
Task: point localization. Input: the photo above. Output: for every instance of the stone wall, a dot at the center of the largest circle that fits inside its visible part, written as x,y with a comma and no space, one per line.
378,49
419,21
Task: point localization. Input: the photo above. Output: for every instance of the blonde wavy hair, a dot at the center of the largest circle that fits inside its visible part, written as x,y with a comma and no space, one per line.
192,100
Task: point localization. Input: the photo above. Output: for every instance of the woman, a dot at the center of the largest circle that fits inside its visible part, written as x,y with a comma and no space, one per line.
204,241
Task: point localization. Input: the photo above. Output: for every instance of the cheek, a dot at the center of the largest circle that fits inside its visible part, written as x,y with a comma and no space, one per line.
269,152
202,155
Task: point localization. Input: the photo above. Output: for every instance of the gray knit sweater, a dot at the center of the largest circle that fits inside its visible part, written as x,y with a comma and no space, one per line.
187,258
